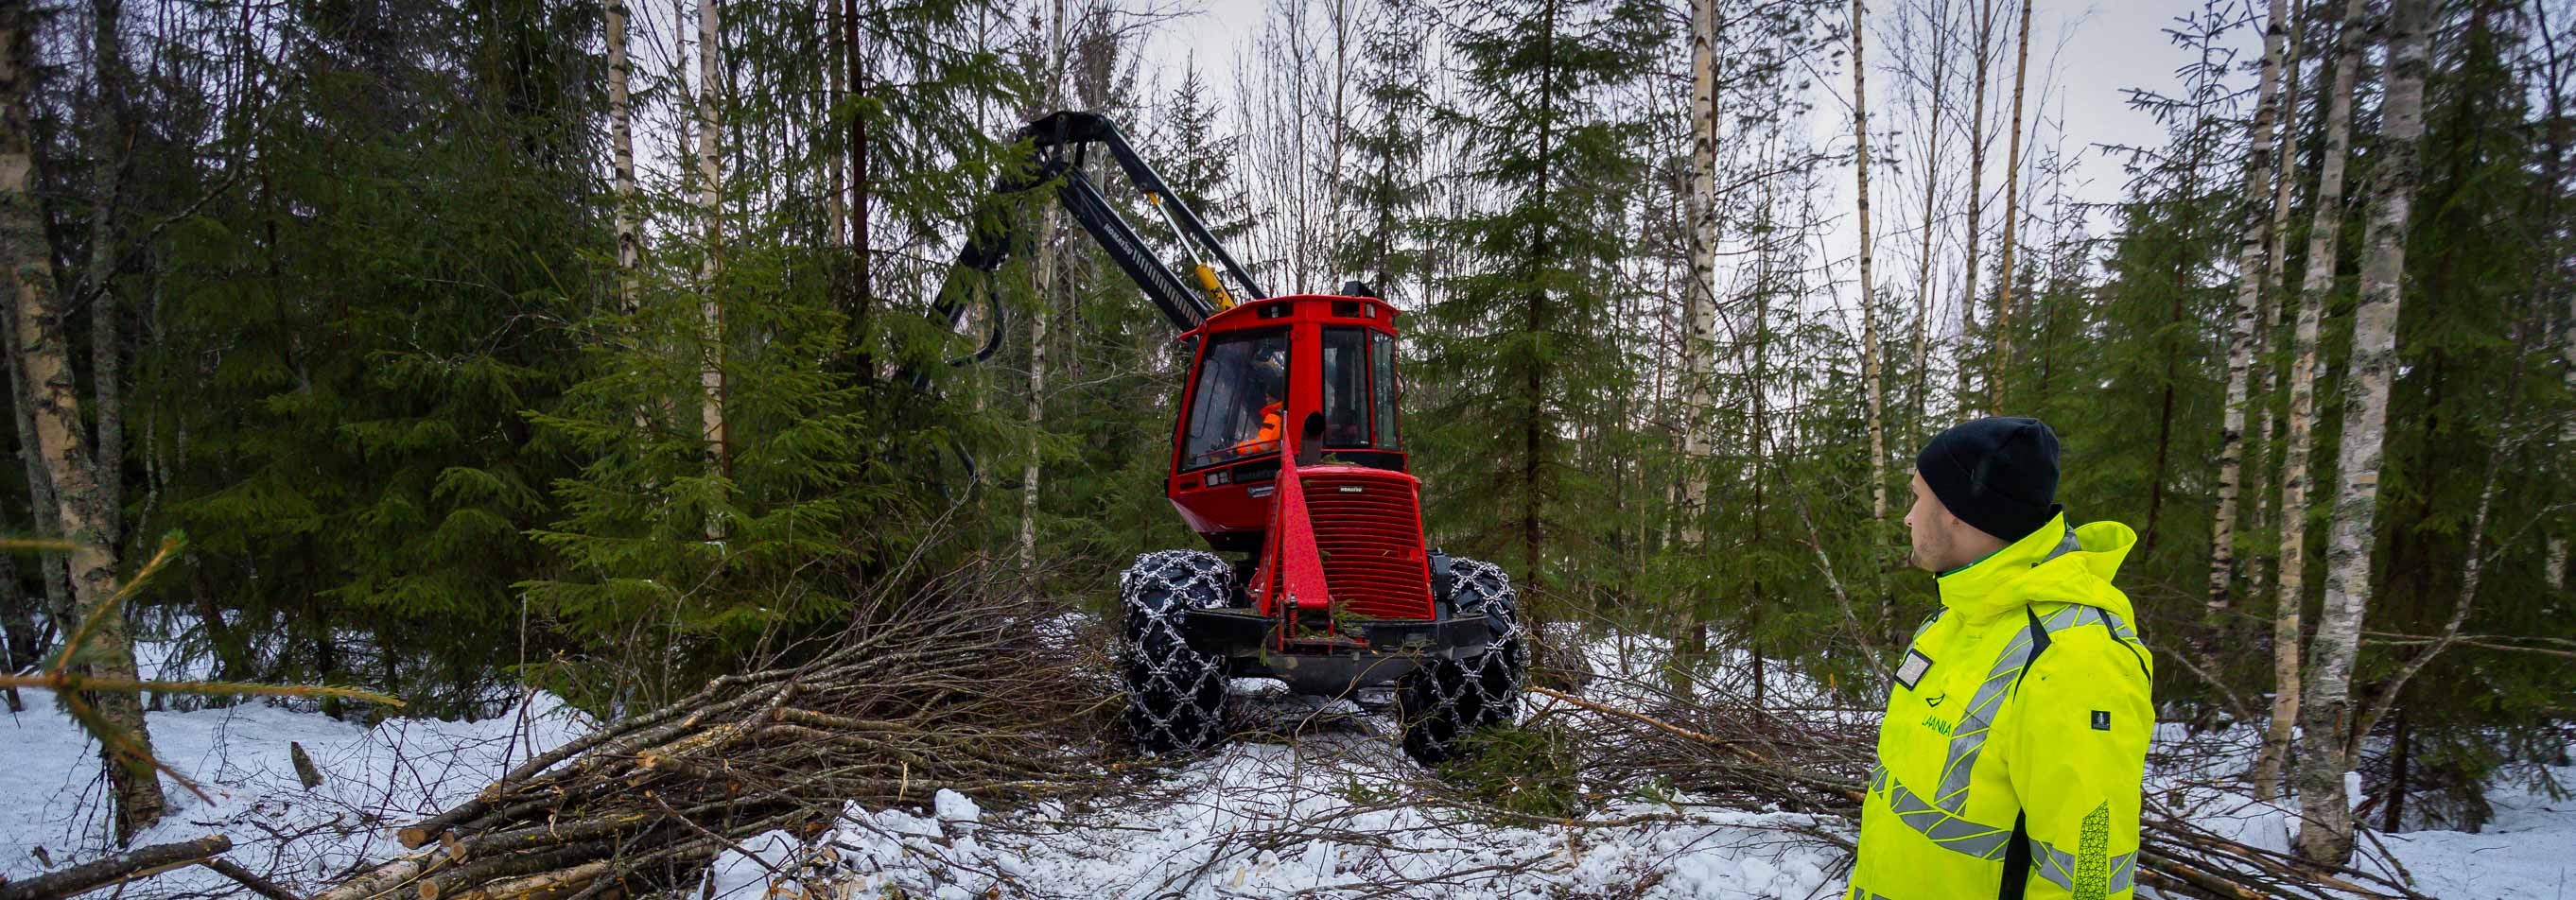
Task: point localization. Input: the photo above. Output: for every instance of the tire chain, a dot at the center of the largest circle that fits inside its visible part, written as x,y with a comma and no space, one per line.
1446,698
1175,694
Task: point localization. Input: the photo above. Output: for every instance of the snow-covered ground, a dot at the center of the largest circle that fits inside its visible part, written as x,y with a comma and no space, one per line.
375,780
1338,811
1324,806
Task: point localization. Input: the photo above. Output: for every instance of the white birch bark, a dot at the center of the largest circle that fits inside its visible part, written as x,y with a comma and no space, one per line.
2323,242
1046,277
2250,280
621,142
2285,180
2472,569
711,377
1868,290
2325,832
51,568
41,343
1699,205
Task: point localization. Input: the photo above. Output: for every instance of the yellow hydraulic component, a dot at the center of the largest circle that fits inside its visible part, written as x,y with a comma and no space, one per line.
1207,276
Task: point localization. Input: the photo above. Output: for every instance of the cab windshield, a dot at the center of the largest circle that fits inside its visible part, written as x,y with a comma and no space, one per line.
1236,408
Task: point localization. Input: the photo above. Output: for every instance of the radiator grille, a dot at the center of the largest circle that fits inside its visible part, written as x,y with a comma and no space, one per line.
1371,539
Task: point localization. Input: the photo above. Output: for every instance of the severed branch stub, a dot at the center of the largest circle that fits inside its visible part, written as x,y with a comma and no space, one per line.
305,770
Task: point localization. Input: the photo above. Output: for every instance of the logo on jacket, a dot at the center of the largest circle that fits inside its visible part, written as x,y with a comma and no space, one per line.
1935,723
1935,700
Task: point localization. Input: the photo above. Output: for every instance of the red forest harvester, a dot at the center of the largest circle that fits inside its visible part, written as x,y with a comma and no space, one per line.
1286,457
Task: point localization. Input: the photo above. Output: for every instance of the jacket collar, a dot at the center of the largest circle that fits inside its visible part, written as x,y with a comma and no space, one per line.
1982,589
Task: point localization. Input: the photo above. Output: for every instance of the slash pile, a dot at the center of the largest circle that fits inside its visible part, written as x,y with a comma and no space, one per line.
1812,760
960,695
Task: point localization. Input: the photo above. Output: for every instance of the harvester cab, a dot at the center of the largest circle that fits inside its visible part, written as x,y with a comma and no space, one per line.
1288,459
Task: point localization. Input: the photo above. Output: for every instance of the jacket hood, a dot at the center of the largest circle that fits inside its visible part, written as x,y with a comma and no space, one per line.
2054,564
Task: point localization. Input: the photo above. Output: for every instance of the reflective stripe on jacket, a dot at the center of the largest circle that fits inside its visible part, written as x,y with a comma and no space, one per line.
2010,760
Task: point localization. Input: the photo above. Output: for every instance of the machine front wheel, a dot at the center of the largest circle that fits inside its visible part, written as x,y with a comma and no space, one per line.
1445,699
1176,696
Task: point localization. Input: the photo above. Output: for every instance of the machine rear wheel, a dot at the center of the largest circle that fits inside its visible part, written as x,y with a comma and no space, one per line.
1176,695
1445,699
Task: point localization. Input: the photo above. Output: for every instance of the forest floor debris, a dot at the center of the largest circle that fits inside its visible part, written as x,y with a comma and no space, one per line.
1316,800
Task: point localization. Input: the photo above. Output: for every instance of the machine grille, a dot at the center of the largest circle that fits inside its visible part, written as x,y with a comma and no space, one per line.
1368,524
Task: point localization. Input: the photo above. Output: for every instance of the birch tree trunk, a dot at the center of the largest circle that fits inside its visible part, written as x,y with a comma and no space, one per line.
2276,263
1868,290
621,142
1699,205
2325,832
2000,357
42,348
1046,276
2249,289
2323,240
51,568
711,377
1985,38
2472,563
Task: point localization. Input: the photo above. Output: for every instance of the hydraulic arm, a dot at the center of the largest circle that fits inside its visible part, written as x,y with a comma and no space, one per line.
1063,142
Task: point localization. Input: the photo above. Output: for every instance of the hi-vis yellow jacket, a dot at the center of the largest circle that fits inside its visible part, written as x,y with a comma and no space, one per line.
2016,733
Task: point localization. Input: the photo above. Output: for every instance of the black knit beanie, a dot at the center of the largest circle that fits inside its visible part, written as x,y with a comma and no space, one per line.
1997,473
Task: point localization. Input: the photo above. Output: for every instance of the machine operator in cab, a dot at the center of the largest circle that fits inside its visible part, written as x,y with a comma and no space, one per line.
1271,371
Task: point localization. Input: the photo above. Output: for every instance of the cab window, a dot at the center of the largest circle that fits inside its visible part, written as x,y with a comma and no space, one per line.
1383,388
1237,405
1346,387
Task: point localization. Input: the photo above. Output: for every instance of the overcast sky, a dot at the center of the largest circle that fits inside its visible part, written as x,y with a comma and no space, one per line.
2098,49
2083,55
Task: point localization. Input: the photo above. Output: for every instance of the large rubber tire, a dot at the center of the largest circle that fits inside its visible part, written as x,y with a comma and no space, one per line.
1445,699
1176,696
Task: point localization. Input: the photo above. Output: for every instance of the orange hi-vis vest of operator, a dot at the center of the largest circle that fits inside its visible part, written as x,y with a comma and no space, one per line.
2010,760
1265,439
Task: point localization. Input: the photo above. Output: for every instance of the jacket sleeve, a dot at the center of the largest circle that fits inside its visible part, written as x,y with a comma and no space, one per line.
2078,737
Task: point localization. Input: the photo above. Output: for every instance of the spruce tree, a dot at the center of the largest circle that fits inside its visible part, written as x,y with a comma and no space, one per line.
1518,344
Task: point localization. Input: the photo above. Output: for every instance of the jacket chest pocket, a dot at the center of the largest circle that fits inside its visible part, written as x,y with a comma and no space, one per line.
1943,692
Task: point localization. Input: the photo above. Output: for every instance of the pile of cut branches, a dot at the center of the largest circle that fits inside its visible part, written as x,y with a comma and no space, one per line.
1812,760
964,695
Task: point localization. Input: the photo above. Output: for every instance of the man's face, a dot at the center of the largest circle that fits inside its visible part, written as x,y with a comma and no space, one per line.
1931,528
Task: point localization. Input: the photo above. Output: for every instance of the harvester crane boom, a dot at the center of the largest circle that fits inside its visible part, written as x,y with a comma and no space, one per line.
1063,142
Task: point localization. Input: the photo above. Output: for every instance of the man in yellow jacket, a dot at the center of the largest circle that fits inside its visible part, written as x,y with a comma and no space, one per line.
2010,760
